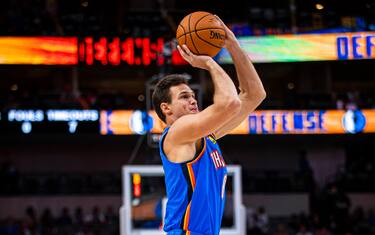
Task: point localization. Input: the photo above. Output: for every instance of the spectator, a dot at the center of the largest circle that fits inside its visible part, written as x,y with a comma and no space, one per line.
322,231
30,224
78,221
303,230
335,206
111,220
9,178
371,217
65,218
78,216
47,222
96,217
250,224
262,220
315,221
281,230
340,105
65,221
95,220
110,216
358,215
9,227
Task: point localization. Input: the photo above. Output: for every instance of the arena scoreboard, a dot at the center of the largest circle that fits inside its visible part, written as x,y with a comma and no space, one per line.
17,121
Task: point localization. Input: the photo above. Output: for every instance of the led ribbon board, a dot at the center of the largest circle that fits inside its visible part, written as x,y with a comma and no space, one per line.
307,47
136,122
127,122
38,50
103,51
106,51
309,122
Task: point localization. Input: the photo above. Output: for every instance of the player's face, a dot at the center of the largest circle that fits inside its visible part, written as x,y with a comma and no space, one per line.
183,100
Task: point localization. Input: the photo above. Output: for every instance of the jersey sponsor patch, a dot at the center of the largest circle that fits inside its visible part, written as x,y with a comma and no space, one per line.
211,137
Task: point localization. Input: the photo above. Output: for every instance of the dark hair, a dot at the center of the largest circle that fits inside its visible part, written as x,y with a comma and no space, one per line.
162,93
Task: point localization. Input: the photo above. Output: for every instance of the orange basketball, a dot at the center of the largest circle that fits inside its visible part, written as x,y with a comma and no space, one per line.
202,33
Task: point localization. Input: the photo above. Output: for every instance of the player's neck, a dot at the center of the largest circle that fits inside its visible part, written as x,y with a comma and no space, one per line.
170,120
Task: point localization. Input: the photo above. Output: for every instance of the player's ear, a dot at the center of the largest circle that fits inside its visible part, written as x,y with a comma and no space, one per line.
165,108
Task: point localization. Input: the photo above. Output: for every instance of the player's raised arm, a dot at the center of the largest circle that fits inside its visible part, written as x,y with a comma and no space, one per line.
251,88
226,103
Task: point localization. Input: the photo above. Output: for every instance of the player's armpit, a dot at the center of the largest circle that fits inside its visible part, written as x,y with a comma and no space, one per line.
247,106
191,127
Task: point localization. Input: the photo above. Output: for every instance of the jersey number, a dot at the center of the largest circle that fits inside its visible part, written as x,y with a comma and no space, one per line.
223,186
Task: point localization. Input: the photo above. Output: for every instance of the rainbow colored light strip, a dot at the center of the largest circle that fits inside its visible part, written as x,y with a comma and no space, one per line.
38,50
309,47
128,122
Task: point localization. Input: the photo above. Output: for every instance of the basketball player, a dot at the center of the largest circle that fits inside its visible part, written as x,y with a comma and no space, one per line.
195,171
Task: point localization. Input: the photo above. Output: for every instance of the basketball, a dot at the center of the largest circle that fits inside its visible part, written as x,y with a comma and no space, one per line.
202,32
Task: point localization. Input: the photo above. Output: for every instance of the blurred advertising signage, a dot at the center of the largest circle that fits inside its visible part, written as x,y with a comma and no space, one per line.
38,50
306,47
88,50
50,121
129,122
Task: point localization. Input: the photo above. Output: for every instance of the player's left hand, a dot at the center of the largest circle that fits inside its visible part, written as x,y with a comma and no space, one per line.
197,61
230,37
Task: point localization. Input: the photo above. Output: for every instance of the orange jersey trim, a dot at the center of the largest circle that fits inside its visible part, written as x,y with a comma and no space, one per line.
191,175
187,217
200,154
192,181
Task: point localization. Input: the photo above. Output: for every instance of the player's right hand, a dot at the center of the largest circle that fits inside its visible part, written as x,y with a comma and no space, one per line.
197,61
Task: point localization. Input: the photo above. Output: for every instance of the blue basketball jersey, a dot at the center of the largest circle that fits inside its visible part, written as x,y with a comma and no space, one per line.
195,191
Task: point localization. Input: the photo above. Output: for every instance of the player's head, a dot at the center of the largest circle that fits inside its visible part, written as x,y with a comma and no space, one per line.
173,98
